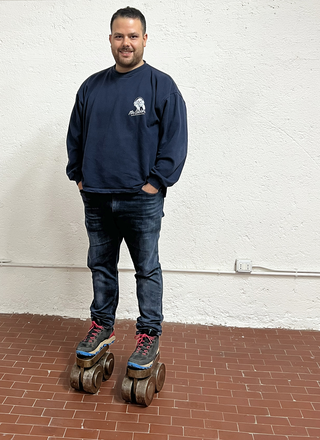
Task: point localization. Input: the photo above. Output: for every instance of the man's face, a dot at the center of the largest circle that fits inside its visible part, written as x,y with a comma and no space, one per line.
127,43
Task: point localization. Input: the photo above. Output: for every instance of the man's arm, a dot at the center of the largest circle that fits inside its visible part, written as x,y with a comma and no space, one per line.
172,150
74,143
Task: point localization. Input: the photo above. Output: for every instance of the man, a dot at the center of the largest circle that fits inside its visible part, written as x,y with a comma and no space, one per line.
127,142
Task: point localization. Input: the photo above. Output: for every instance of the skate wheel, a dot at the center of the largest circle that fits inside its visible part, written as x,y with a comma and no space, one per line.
145,390
107,363
127,388
160,374
75,377
92,379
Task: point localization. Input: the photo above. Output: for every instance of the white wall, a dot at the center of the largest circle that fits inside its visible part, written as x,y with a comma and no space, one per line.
249,71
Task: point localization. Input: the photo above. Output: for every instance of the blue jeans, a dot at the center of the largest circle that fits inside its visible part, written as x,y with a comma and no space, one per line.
136,218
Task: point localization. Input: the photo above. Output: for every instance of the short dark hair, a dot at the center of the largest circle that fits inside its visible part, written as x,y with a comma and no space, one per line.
129,12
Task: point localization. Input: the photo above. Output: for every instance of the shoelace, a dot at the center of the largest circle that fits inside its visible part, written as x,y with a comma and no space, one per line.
93,331
142,341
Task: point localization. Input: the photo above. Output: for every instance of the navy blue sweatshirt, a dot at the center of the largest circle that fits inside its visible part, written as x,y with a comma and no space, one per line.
127,129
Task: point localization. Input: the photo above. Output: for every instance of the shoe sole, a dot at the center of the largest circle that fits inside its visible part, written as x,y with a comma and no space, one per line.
99,348
142,367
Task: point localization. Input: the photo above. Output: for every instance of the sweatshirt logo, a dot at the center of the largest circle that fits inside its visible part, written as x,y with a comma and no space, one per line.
140,107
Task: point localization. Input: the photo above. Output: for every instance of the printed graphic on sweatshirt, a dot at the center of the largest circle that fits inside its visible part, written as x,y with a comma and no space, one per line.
140,107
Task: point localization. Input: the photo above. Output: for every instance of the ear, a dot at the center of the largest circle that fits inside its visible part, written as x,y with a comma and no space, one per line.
110,36
145,37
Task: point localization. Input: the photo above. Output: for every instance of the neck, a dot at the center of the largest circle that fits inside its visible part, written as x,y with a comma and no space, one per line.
122,69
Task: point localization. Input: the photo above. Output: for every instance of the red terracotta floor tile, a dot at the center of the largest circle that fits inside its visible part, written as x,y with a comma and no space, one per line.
222,383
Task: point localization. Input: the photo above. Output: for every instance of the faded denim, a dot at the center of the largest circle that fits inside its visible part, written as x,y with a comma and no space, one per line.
136,219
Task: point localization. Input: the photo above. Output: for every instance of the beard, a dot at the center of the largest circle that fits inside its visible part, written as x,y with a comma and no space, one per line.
128,59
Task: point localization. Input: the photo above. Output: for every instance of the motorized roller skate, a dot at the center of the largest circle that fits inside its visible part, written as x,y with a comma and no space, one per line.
145,375
94,362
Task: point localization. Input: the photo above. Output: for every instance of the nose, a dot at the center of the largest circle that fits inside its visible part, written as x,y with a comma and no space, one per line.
126,41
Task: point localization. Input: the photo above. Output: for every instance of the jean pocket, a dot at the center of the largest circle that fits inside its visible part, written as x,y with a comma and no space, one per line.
86,197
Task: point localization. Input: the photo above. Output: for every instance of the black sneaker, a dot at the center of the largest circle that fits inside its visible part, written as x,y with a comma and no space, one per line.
97,338
146,350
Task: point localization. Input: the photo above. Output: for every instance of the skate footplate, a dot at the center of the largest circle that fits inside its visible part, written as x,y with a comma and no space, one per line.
139,386
88,372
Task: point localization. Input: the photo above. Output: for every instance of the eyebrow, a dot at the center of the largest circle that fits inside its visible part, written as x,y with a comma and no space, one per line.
120,34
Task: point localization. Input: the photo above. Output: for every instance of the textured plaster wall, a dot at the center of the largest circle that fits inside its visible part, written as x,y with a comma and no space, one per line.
249,71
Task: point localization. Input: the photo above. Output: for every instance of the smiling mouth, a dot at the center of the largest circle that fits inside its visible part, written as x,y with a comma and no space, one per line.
125,53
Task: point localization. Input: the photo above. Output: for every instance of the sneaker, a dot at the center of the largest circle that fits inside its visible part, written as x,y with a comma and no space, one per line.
97,338
146,350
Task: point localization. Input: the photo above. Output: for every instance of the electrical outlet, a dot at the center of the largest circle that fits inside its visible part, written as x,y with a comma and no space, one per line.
243,266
